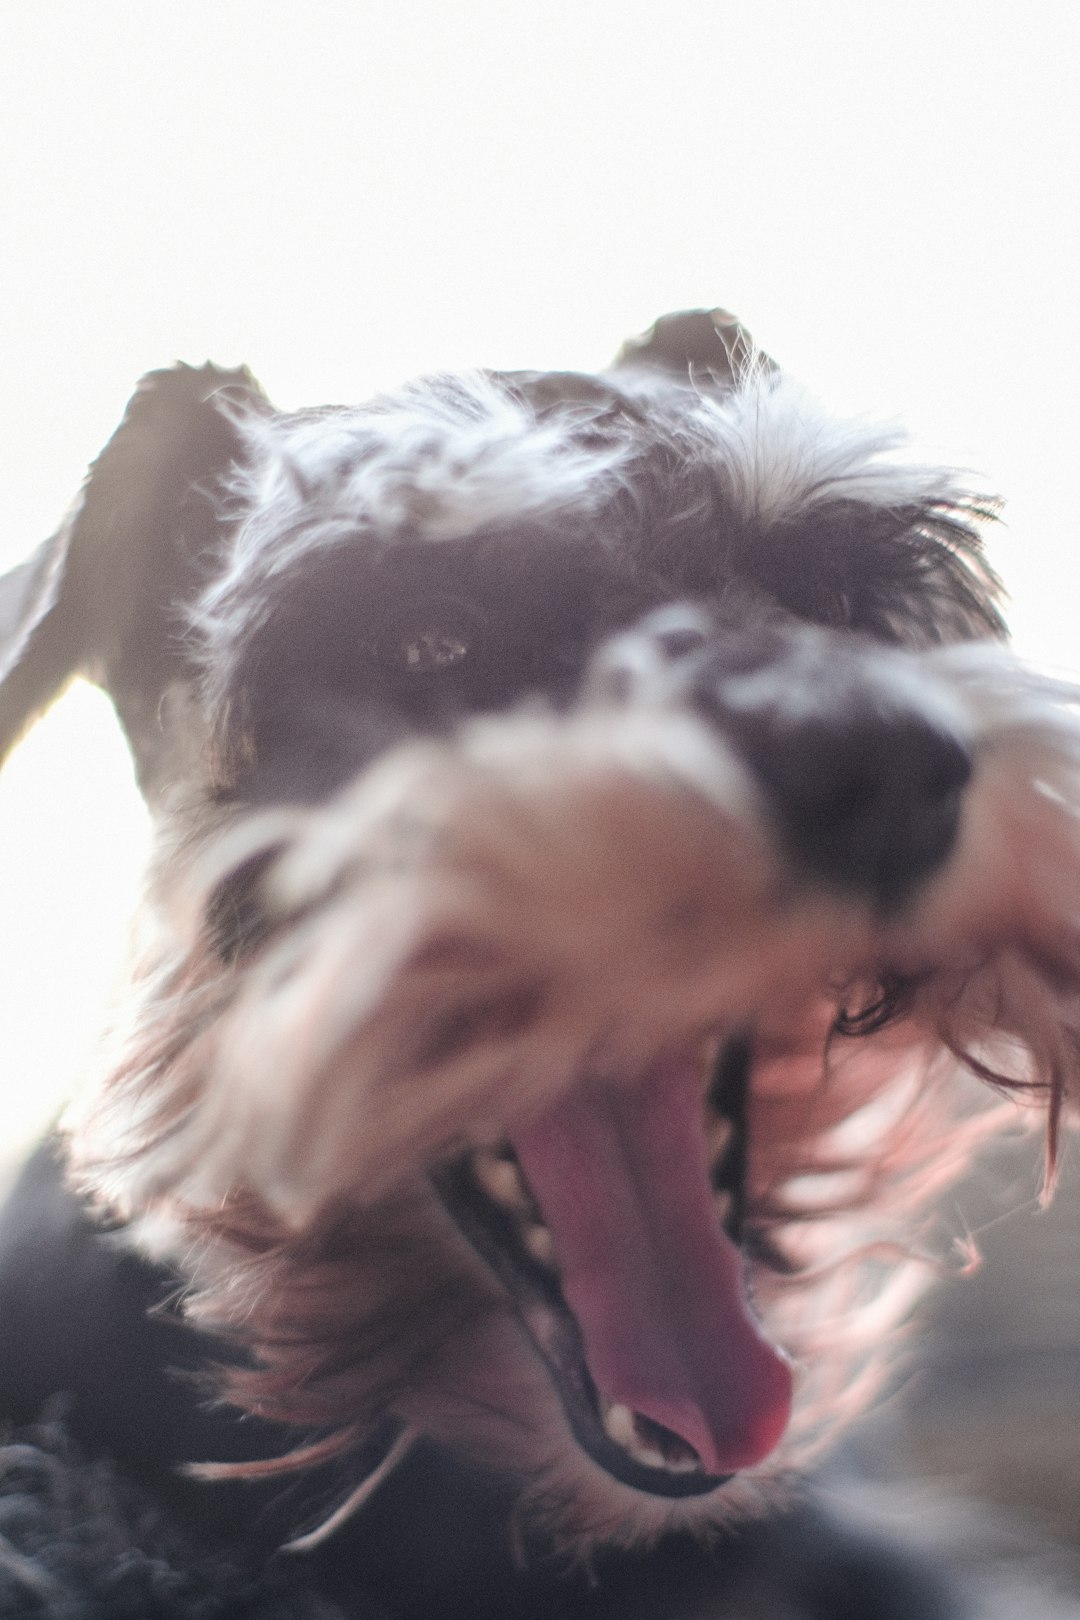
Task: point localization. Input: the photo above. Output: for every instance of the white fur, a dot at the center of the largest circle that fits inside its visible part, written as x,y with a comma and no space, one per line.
779,454
457,456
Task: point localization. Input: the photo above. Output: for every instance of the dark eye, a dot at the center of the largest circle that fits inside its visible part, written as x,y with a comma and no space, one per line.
429,635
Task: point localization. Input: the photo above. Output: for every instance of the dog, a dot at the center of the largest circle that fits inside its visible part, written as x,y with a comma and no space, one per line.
600,831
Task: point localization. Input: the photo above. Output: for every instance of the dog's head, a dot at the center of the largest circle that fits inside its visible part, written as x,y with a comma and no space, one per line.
598,826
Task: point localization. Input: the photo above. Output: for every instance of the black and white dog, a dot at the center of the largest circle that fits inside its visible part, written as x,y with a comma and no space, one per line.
599,831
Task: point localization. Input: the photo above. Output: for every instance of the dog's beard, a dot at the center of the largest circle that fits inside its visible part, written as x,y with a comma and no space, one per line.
542,934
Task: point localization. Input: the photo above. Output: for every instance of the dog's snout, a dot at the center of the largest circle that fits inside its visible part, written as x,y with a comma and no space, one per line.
863,758
868,802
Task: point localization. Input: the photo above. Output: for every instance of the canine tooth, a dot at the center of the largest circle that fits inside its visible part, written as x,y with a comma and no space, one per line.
723,1203
619,1423
540,1244
501,1180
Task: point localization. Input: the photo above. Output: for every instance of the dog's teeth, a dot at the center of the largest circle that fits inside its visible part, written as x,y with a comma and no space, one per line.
623,1426
541,1245
501,1180
718,1134
723,1203
688,1463
619,1423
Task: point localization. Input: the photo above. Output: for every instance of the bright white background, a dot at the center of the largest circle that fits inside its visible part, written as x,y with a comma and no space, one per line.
342,193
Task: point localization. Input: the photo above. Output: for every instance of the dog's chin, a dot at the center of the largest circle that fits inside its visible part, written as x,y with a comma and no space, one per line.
575,1488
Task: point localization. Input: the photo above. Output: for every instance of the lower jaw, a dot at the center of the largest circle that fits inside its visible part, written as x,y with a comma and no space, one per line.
551,1330
657,1479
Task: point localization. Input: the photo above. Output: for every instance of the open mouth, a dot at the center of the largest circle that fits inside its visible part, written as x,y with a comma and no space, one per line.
614,1222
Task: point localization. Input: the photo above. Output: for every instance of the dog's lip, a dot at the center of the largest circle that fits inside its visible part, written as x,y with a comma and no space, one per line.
646,1331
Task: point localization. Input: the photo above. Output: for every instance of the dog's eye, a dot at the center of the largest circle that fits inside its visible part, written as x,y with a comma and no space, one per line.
429,648
429,636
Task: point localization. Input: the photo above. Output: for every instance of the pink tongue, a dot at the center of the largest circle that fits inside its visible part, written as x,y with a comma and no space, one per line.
621,1177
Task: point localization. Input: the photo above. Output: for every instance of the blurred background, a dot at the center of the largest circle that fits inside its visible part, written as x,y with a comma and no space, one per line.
343,193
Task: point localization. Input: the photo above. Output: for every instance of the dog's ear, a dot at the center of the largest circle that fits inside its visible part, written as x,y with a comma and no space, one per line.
105,596
699,346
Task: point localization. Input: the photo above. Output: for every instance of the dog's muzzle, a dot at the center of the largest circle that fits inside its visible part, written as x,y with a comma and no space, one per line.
513,956
665,1375
863,762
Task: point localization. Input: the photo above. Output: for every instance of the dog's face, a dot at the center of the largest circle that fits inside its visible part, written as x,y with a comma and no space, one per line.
595,829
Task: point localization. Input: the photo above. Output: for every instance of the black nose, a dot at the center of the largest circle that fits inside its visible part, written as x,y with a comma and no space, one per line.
866,800
862,758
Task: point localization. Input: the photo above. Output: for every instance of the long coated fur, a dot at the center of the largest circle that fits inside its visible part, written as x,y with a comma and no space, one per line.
543,752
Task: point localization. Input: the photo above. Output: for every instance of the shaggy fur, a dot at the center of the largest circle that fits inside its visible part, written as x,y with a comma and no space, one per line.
613,782
78,1541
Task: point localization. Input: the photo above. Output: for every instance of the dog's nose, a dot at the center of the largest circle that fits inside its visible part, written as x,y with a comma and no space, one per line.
868,801
862,758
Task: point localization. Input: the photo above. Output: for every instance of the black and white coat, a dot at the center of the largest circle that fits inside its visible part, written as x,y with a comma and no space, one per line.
599,830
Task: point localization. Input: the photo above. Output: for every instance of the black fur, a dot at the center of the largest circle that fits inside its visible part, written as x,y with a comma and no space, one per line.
97,1523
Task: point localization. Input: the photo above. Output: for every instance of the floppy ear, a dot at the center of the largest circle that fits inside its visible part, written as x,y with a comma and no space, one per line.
699,346
104,597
